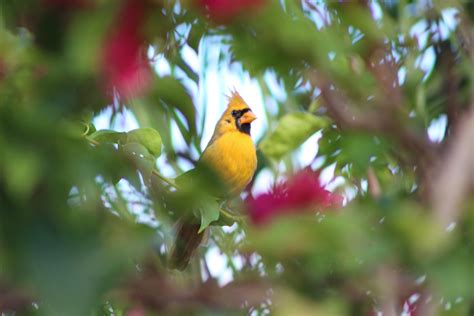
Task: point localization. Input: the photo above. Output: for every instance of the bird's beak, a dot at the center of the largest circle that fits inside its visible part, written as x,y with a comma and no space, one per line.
248,117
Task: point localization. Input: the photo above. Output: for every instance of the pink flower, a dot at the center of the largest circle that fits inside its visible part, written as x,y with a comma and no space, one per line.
301,193
136,311
125,64
223,11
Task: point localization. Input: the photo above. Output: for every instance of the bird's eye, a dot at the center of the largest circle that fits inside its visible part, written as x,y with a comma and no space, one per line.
234,112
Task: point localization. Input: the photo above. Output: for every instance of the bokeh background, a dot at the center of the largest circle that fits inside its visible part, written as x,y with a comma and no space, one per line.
367,103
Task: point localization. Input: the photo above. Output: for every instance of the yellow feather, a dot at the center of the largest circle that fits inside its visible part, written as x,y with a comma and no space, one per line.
233,157
230,152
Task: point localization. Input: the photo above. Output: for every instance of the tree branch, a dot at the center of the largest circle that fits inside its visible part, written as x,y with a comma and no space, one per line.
455,173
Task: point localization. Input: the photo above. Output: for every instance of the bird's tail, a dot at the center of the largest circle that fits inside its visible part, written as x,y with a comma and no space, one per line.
187,241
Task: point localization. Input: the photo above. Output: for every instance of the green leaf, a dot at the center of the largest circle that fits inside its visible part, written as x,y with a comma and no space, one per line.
22,170
108,136
149,114
142,159
358,149
209,209
292,130
148,137
135,149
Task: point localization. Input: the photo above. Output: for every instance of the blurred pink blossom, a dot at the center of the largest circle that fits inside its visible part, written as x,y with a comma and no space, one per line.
125,64
302,192
136,311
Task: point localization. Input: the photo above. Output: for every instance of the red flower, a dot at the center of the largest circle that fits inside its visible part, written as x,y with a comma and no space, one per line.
301,193
125,64
223,11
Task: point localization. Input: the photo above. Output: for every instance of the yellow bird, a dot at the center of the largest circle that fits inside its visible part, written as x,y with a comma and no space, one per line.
231,154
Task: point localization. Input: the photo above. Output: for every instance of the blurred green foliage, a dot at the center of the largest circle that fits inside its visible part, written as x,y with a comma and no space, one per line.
292,130
86,216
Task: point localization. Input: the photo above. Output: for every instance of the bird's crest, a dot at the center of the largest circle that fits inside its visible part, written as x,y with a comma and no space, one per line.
235,99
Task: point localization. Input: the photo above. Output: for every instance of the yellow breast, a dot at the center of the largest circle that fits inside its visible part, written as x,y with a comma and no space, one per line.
234,158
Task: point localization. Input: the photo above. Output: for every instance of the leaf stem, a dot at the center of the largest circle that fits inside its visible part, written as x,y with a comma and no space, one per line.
228,215
92,141
164,179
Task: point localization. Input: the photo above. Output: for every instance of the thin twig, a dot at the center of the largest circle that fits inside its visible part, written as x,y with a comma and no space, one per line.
235,218
92,141
164,179
373,183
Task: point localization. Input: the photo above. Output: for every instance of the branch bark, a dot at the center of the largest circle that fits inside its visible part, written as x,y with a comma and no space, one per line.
455,173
